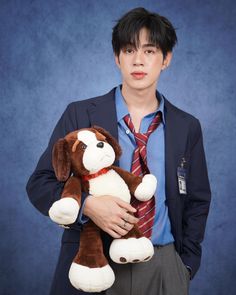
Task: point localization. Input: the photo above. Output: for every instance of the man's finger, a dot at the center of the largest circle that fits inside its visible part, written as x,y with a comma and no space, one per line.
113,234
132,219
126,217
129,218
126,225
120,230
126,206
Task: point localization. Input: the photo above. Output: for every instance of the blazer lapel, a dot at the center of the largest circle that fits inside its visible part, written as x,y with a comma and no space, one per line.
175,147
102,112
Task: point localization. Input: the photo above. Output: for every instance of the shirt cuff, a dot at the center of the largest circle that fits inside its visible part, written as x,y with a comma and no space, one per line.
82,219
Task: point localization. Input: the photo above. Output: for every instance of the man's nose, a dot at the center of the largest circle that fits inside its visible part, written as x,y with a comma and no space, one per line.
100,144
138,58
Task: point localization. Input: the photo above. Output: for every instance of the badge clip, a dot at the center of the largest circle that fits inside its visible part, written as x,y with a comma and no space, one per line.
181,174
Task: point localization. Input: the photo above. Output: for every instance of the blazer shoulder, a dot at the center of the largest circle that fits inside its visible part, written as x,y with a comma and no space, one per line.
178,112
84,103
191,122
76,114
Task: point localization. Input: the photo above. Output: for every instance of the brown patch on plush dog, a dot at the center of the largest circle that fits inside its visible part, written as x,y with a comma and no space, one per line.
61,159
91,248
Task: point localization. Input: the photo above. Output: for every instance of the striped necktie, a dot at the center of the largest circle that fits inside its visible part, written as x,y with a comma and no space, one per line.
145,210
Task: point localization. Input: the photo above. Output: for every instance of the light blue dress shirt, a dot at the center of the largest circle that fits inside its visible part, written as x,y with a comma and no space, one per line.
161,234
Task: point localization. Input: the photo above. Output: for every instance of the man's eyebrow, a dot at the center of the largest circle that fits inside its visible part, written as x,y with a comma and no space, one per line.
143,46
148,45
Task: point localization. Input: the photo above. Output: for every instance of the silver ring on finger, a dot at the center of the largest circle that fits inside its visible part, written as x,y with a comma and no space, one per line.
124,226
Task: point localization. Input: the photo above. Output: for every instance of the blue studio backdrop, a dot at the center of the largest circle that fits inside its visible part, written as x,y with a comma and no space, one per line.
53,52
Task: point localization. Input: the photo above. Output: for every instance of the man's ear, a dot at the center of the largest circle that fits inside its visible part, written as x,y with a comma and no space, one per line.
61,159
167,60
117,60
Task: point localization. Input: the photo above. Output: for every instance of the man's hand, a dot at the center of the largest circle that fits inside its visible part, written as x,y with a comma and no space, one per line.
111,214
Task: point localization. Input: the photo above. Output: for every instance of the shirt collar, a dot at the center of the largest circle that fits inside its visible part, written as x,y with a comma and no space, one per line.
122,110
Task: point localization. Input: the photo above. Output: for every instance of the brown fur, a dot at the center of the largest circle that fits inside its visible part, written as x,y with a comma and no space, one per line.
91,248
134,233
85,186
100,136
72,189
61,159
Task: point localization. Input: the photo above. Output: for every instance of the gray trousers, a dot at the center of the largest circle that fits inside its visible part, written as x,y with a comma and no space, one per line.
164,274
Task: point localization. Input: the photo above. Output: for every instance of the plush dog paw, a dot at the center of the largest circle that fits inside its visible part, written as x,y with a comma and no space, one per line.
146,189
64,211
131,250
91,279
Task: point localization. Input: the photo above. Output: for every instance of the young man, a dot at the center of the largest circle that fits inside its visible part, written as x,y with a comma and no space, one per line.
142,44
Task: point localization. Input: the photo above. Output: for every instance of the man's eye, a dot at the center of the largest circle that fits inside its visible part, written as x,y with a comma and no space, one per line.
129,50
83,146
150,51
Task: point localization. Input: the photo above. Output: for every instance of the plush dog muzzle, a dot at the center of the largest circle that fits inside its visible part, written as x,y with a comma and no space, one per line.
98,154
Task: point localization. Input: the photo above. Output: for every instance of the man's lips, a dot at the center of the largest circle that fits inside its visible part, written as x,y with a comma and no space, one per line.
138,75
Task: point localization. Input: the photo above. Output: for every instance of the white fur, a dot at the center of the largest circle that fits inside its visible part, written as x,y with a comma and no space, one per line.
109,184
147,188
131,249
87,137
64,211
95,158
91,279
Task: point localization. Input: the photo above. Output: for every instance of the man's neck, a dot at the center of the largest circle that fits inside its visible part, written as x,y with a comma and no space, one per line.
142,101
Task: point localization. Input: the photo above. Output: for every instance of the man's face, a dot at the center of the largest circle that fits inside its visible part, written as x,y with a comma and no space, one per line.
140,68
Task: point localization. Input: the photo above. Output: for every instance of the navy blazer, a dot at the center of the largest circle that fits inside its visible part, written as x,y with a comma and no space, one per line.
187,213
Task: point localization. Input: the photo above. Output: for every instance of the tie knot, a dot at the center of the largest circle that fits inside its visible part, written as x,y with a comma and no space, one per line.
142,138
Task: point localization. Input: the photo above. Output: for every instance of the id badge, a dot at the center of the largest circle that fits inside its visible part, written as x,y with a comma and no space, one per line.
181,174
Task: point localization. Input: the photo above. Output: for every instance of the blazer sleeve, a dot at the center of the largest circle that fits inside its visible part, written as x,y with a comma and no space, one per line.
197,202
43,188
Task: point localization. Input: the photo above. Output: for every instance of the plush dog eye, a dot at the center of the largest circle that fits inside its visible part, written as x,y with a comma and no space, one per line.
83,146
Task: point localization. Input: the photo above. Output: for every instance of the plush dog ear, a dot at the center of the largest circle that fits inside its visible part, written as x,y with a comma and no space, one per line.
61,159
110,139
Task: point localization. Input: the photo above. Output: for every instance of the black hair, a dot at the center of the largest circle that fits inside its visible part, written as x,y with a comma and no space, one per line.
126,32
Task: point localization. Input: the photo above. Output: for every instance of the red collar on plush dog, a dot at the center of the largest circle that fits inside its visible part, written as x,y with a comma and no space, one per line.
91,176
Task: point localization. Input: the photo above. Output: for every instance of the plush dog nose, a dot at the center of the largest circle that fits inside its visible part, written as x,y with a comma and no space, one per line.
100,144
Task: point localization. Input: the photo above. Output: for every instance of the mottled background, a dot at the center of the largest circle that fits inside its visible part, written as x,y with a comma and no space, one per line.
54,52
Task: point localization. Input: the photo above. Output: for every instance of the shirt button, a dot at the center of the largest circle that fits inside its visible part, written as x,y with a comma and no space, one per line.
127,131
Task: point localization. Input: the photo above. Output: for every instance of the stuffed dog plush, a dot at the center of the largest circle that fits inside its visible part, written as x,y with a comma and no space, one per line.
83,160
